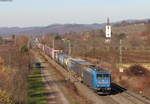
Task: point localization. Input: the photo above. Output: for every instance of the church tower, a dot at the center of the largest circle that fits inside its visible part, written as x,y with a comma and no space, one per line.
108,29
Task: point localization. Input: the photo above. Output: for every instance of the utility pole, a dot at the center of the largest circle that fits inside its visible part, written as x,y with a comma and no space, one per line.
120,51
69,45
29,43
10,59
53,47
53,43
69,52
120,57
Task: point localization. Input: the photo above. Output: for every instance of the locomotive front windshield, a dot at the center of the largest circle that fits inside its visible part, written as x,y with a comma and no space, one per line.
102,76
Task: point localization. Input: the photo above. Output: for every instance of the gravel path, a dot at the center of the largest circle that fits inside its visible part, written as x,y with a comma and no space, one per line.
55,95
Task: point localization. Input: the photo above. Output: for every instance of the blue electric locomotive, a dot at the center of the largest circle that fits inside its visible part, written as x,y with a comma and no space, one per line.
97,79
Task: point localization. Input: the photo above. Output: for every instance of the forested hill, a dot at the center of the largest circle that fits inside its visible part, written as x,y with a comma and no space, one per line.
55,28
65,28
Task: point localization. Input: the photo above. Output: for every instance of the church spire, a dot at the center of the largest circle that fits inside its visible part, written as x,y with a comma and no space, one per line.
108,21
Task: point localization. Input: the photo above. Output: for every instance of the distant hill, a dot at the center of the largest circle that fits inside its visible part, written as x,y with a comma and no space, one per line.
64,28
55,28
131,27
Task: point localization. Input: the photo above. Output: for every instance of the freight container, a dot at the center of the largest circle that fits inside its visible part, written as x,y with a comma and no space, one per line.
72,64
80,67
61,58
40,45
47,50
55,53
66,61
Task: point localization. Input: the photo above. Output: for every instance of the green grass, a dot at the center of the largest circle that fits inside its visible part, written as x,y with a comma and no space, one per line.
36,89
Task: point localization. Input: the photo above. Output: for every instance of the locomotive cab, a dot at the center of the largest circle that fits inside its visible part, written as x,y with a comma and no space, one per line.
103,82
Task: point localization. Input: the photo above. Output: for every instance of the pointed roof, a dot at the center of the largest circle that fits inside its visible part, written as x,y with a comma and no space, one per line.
108,21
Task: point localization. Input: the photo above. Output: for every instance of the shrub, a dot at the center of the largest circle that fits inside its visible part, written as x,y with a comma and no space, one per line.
5,98
24,48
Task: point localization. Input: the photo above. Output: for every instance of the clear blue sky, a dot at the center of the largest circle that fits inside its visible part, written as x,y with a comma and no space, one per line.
44,12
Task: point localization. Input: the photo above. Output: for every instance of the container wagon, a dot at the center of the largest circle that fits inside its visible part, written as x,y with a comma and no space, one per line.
61,58
81,67
72,64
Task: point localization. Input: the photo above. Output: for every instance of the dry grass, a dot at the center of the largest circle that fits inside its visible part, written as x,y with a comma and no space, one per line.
136,78
14,70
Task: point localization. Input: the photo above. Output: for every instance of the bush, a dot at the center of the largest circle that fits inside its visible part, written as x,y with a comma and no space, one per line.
24,48
5,98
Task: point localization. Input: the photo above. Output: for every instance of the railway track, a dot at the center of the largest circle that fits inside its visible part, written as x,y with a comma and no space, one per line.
63,85
119,95
82,89
131,96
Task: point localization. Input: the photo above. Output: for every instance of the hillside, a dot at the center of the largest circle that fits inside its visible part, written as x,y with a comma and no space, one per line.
56,28
130,29
126,26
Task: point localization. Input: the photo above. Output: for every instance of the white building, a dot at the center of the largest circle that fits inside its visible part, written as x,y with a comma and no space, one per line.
108,29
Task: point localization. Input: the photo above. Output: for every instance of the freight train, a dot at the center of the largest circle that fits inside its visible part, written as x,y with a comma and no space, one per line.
93,76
